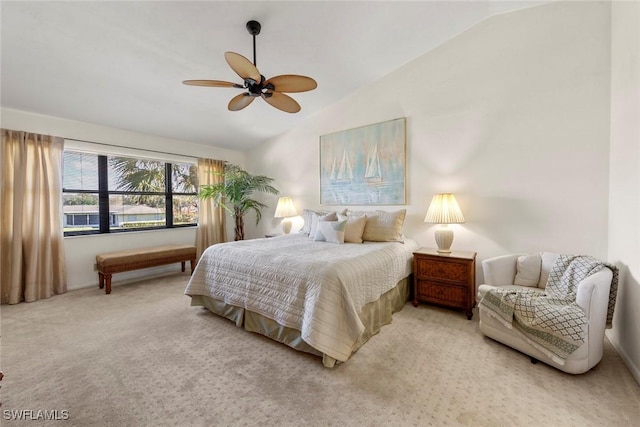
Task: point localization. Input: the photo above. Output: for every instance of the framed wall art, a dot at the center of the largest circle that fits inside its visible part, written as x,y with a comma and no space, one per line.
365,165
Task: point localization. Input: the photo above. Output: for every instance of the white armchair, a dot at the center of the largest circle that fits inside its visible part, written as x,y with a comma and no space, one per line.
512,271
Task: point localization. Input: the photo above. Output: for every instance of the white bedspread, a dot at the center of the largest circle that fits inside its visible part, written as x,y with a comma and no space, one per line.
317,288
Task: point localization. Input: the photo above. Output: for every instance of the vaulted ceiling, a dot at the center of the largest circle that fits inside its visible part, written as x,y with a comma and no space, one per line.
121,64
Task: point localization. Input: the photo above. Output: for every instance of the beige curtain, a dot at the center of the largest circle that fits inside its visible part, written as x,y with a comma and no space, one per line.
211,219
32,264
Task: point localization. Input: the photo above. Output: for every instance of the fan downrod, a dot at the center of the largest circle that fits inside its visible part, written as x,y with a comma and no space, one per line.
254,29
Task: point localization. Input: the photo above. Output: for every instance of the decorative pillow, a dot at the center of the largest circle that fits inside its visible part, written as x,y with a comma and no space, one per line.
307,215
331,231
317,218
332,216
355,227
314,224
384,226
348,212
548,259
528,270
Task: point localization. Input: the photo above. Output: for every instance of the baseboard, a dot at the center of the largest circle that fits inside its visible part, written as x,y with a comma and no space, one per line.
635,370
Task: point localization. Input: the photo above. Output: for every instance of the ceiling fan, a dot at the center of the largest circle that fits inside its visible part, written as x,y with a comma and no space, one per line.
271,90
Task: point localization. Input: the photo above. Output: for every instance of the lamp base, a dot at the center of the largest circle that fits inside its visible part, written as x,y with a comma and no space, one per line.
444,239
286,226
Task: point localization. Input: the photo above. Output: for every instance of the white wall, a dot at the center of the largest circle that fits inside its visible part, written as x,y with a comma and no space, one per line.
81,251
624,188
512,116
533,119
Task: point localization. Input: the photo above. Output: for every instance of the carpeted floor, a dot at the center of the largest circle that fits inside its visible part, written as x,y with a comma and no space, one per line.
143,357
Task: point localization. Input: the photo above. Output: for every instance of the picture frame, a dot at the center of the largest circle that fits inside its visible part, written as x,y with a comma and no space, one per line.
364,165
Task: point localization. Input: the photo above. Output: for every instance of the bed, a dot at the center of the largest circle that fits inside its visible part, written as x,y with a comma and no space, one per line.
318,297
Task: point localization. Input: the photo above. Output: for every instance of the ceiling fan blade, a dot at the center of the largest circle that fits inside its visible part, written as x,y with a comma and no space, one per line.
292,83
282,102
240,101
242,66
212,83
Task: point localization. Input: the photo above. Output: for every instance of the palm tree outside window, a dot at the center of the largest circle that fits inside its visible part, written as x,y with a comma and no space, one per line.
103,194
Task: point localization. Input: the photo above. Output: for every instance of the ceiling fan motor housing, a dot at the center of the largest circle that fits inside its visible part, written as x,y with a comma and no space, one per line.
258,88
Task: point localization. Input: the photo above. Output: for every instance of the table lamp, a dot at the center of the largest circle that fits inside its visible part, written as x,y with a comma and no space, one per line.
286,210
444,210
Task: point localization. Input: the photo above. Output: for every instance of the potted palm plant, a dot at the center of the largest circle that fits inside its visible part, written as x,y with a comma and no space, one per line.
234,194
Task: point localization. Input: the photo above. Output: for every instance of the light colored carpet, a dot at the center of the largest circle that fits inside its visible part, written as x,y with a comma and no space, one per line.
143,357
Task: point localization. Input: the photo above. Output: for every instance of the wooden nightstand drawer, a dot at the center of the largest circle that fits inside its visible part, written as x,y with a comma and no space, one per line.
438,293
445,279
447,270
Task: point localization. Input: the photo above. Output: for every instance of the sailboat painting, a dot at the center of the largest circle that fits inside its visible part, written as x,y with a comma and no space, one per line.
365,165
373,173
342,173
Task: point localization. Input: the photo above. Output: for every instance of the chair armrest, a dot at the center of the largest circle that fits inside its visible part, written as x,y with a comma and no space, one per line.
592,294
500,270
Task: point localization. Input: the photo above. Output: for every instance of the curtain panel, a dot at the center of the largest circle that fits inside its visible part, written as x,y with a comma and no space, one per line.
32,263
211,219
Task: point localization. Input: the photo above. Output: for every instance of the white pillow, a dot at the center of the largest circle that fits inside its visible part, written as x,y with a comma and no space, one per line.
307,215
548,259
355,227
357,213
314,224
331,231
528,270
317,218
384,226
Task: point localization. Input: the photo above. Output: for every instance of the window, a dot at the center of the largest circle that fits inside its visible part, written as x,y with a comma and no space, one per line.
103,194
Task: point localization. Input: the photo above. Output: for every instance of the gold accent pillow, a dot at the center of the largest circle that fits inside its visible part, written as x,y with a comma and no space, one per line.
384,226
355,227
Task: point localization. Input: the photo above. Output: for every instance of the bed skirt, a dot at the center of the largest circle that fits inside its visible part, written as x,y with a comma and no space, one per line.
374,315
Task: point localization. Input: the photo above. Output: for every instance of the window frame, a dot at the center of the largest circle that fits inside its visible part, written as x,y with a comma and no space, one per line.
104,193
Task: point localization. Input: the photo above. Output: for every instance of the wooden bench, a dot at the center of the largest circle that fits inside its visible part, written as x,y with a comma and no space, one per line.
134,259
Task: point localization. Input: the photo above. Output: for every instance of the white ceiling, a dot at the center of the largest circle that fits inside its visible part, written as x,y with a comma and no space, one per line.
121,64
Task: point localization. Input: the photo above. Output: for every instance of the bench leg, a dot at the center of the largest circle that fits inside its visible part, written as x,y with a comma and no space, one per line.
182,263
193,264
107,288
100,280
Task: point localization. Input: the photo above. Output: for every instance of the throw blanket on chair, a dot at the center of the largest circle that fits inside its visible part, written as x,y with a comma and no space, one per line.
551,320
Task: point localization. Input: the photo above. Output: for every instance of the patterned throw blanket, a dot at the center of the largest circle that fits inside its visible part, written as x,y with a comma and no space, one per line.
551,320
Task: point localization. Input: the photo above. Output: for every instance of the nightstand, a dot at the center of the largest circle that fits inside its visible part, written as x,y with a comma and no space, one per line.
445,279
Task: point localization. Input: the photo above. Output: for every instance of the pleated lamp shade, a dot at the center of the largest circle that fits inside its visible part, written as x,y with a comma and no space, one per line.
285,209
444,209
